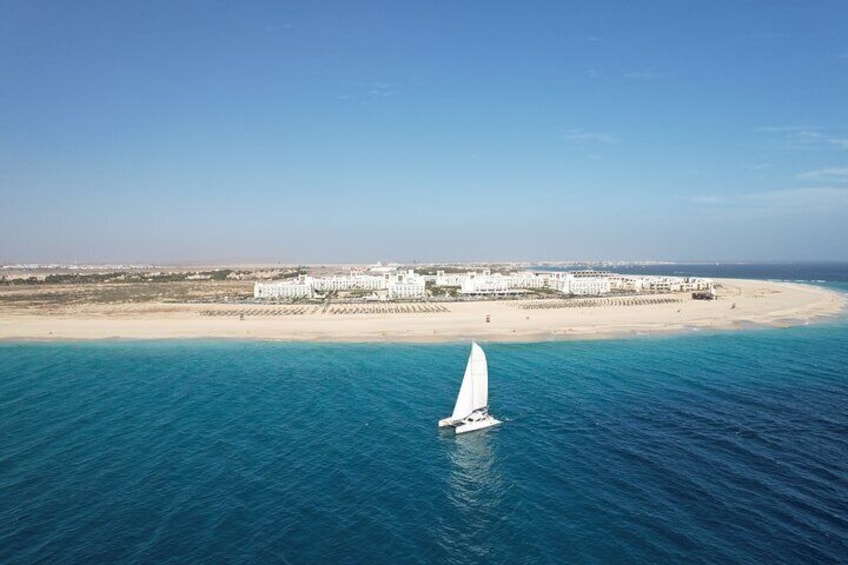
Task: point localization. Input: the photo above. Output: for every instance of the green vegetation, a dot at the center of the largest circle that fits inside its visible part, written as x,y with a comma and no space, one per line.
77,278
217,274
435,290
26,281
126,277
162,277
446,269
358,293
547,291
290,274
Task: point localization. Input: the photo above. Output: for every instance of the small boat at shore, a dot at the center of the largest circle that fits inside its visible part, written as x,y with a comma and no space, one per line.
471,411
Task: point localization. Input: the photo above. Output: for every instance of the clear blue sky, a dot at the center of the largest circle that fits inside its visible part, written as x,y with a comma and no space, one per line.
464,130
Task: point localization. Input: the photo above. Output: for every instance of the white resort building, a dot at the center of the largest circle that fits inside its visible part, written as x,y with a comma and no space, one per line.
406,286
355,281
297,288
449,279
398,286
392,284
499,284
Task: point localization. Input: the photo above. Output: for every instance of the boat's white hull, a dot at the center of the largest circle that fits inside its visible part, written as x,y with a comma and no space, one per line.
478,425
465,426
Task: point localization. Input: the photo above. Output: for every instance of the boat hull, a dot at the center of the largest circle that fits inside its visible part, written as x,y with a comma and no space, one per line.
449,423
473,422
488,422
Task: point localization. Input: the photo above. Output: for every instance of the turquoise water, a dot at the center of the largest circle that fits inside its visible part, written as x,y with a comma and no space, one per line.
730,447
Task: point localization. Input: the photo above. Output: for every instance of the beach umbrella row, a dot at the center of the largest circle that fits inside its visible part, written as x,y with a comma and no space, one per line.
385,309
237,313
598,302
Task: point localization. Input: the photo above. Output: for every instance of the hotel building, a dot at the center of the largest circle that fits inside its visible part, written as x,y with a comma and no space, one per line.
407,285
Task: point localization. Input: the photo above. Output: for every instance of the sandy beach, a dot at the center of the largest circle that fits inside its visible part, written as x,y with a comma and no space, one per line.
740,304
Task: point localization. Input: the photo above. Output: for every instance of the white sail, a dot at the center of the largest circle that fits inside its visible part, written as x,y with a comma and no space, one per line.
474,391
480,371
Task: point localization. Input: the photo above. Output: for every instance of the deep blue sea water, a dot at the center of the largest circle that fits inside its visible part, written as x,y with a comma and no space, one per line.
729,447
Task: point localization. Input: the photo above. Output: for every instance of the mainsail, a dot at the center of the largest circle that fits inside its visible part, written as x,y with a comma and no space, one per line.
474,391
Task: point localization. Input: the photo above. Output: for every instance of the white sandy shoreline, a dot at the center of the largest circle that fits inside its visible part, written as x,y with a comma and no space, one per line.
742,304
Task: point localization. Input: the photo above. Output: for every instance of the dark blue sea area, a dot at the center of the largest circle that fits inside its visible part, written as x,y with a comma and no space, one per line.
805,272
725,447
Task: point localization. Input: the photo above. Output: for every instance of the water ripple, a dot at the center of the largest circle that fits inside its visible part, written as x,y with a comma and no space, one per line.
724,448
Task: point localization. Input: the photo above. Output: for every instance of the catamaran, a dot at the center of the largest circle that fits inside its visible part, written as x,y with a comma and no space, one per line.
471,411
